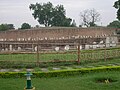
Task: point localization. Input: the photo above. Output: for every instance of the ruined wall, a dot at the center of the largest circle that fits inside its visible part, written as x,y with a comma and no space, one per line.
55,34
88,38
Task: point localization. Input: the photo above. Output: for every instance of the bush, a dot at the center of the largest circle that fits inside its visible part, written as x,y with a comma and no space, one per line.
60,73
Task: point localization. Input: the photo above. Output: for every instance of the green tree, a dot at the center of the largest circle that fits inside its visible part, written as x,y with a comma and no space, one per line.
117,6
42,12
49,15
92,24
10,26
4,27
115,24
25,26
59,18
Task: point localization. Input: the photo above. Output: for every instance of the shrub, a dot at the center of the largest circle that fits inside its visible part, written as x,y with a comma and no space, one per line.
60,73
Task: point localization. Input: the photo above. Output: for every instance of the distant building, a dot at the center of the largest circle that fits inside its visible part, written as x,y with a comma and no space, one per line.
88,38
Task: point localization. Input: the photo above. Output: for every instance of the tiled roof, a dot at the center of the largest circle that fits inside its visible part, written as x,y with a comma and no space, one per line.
55,33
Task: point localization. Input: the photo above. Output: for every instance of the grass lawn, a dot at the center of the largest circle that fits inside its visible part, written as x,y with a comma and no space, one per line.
81,82
70,55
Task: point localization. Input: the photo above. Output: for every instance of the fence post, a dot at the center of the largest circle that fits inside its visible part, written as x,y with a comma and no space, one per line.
105,53
37,54
78,53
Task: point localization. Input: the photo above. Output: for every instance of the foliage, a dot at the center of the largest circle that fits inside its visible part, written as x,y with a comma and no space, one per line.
10,26
117,6
4,27
25,26
48,15
89,17
115,24
37,26
79,82
61,73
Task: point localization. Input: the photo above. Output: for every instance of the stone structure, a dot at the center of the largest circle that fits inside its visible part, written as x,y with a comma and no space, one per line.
86,37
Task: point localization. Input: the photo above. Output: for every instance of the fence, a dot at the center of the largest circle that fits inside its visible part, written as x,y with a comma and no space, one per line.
53,52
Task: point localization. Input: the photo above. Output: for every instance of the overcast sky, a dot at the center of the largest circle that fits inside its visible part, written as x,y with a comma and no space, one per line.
17,11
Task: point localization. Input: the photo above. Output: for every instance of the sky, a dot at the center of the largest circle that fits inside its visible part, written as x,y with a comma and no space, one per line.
17,11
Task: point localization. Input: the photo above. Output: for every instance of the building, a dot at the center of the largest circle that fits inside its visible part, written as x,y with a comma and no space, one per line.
88,38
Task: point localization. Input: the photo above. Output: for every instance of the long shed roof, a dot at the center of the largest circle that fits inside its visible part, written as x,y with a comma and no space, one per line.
55,33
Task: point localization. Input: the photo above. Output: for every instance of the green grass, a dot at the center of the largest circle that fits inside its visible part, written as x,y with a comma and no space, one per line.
50,57
84,55
87,57
79,82
33,57
18,57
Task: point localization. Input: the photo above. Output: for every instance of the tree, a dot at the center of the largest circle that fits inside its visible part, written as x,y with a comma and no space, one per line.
115,24
37,26
25,26
58,16
4,27
42,12
89,17
117,6
10,26
48,15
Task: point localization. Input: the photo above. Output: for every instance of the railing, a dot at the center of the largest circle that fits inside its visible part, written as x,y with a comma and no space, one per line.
43,55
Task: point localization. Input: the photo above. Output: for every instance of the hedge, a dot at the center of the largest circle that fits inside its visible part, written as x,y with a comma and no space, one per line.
60,73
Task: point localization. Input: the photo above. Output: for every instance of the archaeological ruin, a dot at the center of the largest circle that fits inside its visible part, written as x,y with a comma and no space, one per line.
50,38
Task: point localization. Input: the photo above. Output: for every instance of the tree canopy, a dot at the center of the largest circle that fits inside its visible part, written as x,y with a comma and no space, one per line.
4,27
49,15
89,17
115,24
25,26
117,6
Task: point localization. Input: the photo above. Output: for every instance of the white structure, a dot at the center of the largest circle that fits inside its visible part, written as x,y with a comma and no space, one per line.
57,48
67,47
111,41
19,49
35,48
10,47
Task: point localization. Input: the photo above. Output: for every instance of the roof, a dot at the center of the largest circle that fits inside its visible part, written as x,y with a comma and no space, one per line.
55,33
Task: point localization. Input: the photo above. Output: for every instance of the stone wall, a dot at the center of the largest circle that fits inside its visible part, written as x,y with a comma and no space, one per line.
88,38
55,34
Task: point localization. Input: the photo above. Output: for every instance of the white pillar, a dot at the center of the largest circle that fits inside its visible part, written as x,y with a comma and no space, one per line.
19,48
10,47
35,48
